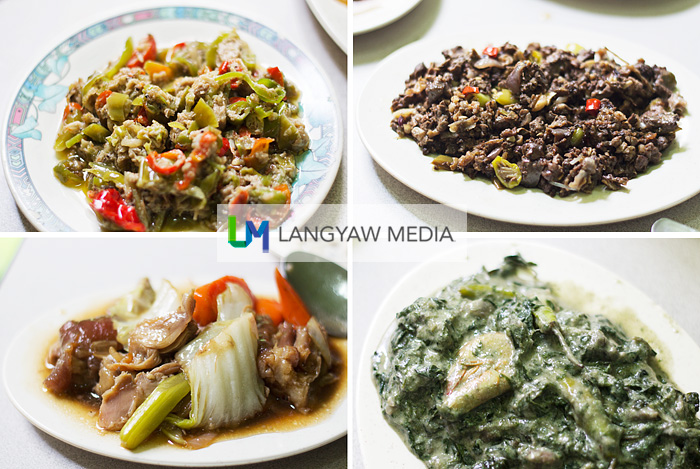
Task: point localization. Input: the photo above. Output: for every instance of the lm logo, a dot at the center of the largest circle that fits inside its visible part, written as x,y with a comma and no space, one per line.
263,231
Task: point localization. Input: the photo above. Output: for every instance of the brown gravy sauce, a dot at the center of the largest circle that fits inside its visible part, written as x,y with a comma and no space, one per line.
278,415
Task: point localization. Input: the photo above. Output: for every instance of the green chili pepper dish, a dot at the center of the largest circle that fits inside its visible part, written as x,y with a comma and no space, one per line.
162,136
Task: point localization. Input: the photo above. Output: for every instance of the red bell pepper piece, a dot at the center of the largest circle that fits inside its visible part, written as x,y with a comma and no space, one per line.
157,161
146,50
293,309
491,51
205,310
111,206
270,308
470,90
592,106
276,75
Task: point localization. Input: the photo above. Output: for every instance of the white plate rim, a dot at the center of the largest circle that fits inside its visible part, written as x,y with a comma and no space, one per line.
381,446
43,218
363,27
561,214
327,430
323,15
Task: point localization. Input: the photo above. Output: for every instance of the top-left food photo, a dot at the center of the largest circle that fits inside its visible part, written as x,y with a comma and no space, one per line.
147,120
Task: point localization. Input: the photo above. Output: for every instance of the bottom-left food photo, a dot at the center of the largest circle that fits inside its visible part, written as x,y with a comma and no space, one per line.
151,351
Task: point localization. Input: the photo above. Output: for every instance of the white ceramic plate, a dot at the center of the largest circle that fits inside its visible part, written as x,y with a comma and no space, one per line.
35,112
23,382
369,15
380,444
664,186
333,16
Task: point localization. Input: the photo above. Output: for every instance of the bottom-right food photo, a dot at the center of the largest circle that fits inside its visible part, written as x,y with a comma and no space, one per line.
537,353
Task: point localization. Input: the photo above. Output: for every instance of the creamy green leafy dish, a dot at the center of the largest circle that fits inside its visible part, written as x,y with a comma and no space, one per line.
493,372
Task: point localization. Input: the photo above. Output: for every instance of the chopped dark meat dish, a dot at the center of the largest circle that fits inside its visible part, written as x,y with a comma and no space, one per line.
212,358
563,121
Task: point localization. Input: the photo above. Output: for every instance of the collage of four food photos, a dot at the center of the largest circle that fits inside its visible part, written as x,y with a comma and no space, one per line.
350,233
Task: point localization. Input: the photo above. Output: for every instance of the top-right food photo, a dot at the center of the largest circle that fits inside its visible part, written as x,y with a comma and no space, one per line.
534,124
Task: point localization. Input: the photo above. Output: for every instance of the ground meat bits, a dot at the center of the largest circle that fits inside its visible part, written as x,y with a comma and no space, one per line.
569,121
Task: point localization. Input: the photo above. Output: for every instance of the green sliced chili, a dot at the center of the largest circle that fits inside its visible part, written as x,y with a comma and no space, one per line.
269,95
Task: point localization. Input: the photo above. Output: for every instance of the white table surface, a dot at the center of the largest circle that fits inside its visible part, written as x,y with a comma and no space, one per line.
667,270
666,25
43,276
31,28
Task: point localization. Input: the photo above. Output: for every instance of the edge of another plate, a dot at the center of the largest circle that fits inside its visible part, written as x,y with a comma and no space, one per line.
406,7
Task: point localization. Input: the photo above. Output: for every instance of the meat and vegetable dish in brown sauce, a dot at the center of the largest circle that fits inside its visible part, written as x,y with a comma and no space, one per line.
561,120
189,366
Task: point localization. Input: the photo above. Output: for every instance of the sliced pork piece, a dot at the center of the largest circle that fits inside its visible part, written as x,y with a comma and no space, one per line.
76,364
156,336
289,361
128,392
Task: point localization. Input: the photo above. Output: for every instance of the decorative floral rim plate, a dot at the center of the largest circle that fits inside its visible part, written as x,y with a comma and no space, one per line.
661,187
589,288
35,112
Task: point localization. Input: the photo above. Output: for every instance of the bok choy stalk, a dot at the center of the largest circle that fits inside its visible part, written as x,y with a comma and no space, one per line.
233,302
221,369
167,300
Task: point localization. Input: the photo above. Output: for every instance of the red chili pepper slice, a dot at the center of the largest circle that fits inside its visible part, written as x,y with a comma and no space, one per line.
179,46
225,147
111,206
189,173
71,107
285,189
235,83
491,51
235,100
470,90
146,50
593,106
241,198
102,99
142,118
225,67
276,75
157,162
